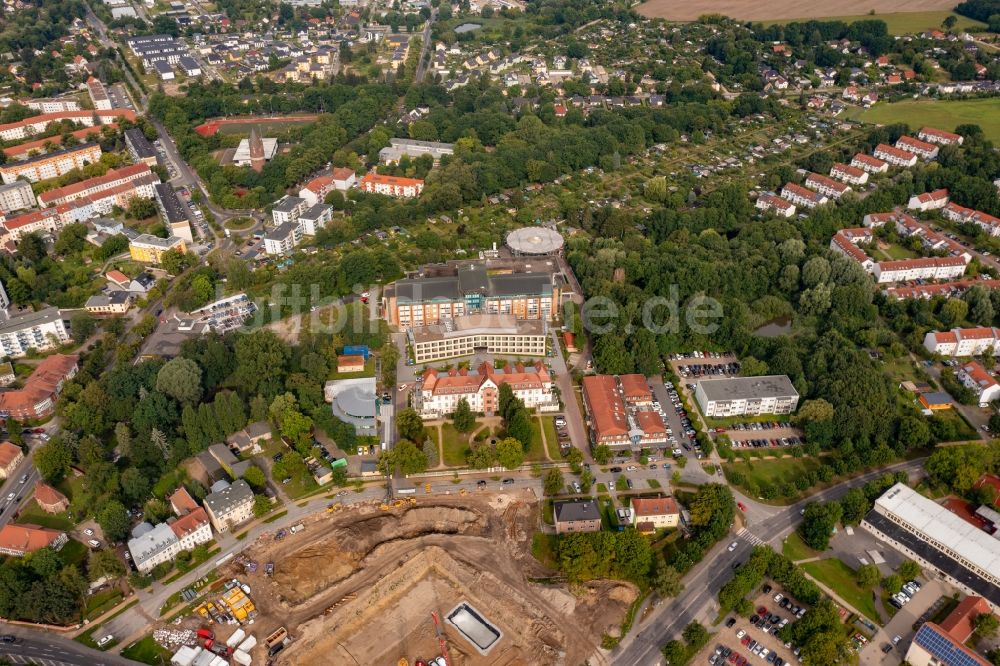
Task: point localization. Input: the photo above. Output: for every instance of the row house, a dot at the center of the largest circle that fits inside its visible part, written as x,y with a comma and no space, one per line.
393,186
27,128
772,203
895,156
113,178
801,196
940,137
826,185
935,200
37,399
846,241
952,289
849,174
963,215
922,149
924,268
869,164
975,378
963,341
51,165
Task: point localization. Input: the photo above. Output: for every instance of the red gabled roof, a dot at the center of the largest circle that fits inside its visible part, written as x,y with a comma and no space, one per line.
26,538
654,506
189,523
958,624
9,453
607,409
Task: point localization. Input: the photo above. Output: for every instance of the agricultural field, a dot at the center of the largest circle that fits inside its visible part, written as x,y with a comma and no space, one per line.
944,114
774,11
905,23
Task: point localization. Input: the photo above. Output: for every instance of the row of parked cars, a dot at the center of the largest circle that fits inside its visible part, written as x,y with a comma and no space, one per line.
764,443
701,354
901,598
709,369
758,425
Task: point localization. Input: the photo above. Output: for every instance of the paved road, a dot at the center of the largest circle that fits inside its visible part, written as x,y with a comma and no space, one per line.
702,584
45,649
425,46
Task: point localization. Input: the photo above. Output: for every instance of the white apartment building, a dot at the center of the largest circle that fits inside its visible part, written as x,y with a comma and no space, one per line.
925,268
775,204
230,506
151,545
314,218
928,201
963,341
738,396
15,196
801,196
40,330
52,104
869,164
282,239
975,378
287,209
826,185
895,156
940,137
98,94
922,149
51,165
441,392
849,174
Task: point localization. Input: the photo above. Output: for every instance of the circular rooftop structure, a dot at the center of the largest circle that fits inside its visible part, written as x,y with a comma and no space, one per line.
534,240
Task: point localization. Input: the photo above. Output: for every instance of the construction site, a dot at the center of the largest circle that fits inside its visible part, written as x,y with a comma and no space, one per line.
439,580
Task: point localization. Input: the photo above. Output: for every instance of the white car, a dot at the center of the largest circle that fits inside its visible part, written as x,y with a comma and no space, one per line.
778,597
10,497
733,546
89,532
630,468
740,633
104,641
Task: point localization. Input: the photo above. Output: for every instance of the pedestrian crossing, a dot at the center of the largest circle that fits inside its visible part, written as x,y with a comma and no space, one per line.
754,540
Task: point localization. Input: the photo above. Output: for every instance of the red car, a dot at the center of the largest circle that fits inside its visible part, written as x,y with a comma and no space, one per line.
745,640
762,611
743,507
732,657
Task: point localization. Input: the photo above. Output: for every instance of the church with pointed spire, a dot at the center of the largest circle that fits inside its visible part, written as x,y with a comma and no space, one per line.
255,152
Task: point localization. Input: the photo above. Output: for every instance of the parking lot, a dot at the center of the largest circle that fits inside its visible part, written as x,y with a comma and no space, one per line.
753,641
774,434
901,625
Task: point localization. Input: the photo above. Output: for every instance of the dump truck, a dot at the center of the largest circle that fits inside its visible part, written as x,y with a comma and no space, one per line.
275,643
297,528
206,633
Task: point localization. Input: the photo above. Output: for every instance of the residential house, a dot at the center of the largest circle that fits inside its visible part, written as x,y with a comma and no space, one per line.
441,392
895,156
775,204
20,540
940,137
572,517
801,196
921,149
849,174
653,513
963,341
10,457
230,506
975,378
929,200
870,164
49,499
37,399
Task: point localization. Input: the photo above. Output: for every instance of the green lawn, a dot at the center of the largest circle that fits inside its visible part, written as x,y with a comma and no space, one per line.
455,446
963,430
537,451
102,602
543,547
147,651
901,23
551,438
781,470
32,514
942,114
73,552
795,549
840,578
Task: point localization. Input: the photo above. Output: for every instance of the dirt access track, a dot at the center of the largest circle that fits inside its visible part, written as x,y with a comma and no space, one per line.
358,586
754,10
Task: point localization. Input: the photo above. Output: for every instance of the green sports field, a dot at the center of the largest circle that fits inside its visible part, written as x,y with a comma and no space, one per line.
900,23
942,114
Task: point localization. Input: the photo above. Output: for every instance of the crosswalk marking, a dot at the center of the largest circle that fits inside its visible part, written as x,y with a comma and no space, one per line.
754,540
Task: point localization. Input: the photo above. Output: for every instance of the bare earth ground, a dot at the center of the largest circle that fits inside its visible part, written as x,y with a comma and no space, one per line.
755,10
358,587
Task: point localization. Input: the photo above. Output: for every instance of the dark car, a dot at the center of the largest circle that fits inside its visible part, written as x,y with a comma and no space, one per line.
508,482
730,622
616,470
8,638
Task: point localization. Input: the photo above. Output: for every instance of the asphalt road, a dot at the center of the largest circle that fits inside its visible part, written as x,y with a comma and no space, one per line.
45,649
702,584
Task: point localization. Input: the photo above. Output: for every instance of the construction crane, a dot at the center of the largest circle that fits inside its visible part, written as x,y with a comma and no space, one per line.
442,641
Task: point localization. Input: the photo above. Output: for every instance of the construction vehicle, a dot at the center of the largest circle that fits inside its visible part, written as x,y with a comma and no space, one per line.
334,506
442,641
463,491
411,500
398,502
384,506
427,487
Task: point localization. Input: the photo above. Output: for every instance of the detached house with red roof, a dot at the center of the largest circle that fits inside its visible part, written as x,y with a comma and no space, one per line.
654,513
49,499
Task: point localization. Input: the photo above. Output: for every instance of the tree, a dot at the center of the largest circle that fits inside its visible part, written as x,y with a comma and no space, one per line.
463,418
180,378
892,584
575,459
114,520
854,506
868,576
818,523
602,454
666,579
949,21
105,564
519,427
261,505
81,326
140,208
986,625
135,485
409,457
480,456
261,362
909,570
410,425
510,453
553,483
255,477
53,459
